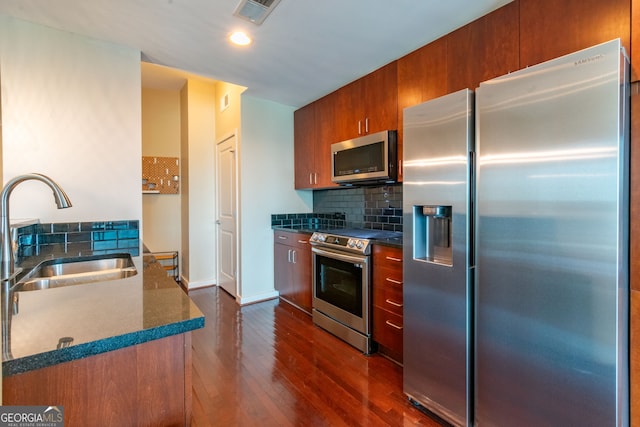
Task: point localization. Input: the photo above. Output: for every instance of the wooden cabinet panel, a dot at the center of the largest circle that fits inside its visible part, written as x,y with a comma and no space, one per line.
367,105
551,28
635,40
484,49
389,295
634,225
422,75
388,332
325,129
313,133
387,300
292,268
147,384
304,138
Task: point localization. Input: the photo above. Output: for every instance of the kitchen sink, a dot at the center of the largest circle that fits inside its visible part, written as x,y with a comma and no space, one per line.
76,271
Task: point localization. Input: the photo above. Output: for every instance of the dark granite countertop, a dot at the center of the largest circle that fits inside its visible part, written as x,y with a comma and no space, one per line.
99,317
395,241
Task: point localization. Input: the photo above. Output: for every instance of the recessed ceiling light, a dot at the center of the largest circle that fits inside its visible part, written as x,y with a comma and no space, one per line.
240,38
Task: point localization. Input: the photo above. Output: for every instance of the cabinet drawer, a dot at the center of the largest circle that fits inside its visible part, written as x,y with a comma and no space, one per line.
388,296
387,332
387,257
298,240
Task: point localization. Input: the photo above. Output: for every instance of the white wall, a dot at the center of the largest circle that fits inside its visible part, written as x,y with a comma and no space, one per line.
266,187
70,110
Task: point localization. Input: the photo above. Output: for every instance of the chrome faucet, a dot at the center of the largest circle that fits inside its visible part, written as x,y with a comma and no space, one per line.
8,273
7,262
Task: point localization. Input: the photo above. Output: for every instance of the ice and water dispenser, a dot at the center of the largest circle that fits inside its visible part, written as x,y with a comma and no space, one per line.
432,234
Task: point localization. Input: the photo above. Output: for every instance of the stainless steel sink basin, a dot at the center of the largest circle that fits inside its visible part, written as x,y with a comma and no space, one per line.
77,271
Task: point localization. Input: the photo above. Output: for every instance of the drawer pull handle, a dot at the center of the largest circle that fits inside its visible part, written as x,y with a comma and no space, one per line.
393,325
397,282
282,237
390,258
303,241
397,304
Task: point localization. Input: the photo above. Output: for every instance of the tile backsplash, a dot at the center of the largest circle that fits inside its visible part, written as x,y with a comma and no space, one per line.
378,208
79,238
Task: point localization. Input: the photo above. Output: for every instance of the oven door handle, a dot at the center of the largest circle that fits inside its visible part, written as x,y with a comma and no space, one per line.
340,256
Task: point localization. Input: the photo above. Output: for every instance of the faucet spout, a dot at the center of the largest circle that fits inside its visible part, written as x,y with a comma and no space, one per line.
6,253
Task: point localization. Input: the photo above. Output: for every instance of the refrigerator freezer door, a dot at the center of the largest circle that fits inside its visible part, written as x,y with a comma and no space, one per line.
551,264
438,138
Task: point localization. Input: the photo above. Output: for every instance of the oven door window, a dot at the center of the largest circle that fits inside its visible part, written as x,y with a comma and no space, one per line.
340,284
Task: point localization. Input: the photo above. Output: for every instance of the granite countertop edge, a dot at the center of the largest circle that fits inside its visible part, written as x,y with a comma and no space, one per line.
76,352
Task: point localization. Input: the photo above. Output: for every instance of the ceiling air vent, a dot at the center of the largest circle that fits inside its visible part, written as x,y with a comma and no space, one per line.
255,11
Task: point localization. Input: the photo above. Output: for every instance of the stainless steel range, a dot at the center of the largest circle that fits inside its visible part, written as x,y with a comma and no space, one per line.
342,285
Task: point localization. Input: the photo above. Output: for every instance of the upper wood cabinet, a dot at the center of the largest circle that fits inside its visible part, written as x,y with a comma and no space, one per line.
484,49
313,136
367,105
422,75
551,28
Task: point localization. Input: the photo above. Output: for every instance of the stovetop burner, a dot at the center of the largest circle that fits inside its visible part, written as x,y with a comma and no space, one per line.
361,233
351,240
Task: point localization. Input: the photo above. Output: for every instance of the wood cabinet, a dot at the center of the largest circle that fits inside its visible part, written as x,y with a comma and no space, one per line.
313,136
551,28
367,105
483,49
292,268
388,301
422,75
146,384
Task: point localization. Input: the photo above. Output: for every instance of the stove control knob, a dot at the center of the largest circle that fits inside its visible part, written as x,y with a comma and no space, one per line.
321,237
351,243
359,244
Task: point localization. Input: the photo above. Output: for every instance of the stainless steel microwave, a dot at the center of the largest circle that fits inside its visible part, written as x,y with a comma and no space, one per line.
369,159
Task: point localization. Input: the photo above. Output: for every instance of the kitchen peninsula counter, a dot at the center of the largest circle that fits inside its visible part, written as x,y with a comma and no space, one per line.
95,318
129,358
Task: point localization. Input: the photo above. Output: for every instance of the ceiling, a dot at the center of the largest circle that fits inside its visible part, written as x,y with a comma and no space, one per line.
303,50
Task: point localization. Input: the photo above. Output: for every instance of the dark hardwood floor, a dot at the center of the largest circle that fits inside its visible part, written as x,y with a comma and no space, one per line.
266,364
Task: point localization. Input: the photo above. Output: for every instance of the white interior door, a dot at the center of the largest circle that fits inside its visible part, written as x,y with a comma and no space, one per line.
227,214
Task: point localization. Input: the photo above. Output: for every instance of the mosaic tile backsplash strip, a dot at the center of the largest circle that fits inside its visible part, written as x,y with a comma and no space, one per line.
311,221
79,238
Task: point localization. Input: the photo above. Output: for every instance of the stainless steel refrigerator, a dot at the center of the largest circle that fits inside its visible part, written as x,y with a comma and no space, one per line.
516,247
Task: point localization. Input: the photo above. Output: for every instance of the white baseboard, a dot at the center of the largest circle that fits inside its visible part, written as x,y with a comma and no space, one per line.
257,298
199,284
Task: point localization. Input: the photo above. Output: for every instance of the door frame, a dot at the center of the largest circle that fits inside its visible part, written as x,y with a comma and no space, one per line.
234,137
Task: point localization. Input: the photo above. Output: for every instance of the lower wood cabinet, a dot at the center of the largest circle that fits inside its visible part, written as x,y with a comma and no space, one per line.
388,301
147,384
292,268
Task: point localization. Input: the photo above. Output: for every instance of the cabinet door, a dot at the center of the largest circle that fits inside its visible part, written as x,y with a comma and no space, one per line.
380,99
367,105
550,28
325,137
422,75
304,134
348,111
282,269
301,278
486,48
